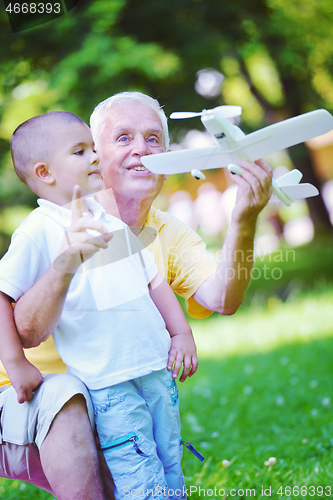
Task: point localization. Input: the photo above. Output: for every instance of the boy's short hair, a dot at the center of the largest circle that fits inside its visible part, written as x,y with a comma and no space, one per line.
32,140
98,113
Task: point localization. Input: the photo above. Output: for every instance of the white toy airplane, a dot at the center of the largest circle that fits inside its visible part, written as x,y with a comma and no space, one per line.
234,146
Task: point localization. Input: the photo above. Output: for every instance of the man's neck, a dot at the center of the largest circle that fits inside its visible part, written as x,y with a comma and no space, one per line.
131,210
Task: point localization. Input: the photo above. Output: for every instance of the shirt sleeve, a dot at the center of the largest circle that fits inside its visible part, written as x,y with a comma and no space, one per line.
192,265
20,267
183,259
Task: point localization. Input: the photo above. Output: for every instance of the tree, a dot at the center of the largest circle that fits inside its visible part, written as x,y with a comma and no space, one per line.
276,57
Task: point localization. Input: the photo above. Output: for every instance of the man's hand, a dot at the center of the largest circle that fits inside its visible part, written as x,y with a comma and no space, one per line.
254,190
78,245
183,351
25,378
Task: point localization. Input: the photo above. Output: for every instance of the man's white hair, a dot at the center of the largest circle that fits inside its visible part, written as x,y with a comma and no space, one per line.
96,119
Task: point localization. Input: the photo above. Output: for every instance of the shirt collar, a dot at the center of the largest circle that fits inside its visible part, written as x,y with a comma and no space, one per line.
63,215
154,220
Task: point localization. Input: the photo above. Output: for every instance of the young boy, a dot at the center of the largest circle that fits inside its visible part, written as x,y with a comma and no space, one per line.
110,333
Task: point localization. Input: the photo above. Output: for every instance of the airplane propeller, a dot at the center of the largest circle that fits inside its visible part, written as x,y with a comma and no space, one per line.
222,111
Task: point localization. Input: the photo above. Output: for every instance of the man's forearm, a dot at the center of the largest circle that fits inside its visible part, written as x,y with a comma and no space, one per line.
38,311
224,291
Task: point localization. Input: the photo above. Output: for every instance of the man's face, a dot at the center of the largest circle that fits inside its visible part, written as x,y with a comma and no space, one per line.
130,130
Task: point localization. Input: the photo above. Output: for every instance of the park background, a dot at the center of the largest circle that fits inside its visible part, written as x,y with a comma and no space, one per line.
264,384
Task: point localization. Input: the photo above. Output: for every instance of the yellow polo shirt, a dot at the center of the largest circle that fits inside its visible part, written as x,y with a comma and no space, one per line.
181,257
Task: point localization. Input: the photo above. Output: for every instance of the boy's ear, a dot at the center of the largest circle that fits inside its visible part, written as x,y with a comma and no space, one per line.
42,172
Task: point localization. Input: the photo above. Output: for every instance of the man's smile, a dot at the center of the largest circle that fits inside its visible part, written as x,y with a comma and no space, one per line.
138,168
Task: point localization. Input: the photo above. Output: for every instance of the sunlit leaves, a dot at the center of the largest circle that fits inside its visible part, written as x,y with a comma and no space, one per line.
265,77
237,90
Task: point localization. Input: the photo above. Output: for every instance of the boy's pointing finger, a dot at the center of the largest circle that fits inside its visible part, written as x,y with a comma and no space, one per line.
76,204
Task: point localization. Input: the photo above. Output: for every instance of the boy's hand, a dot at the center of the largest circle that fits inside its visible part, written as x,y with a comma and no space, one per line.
25,378
79,245
183,351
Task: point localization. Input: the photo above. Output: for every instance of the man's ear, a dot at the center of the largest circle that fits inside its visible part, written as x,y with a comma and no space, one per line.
42,172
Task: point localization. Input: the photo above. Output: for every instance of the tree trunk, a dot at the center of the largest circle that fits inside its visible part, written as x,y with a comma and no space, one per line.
318,212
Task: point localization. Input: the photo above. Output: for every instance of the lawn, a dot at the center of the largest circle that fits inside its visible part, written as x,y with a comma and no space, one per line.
263,389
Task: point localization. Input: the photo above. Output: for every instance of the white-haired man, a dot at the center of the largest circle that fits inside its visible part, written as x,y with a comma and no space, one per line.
126,127
130,125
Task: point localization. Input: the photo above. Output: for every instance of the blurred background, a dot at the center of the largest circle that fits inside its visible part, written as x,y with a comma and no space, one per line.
275,59
271,57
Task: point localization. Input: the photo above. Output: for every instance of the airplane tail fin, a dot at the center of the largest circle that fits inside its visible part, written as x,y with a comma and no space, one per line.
289,185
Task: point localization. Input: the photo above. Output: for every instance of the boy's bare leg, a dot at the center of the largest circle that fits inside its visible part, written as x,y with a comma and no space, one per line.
69,456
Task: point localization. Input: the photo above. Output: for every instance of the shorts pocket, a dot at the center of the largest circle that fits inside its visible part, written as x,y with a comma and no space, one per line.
123,455
129,465
14,418
129,439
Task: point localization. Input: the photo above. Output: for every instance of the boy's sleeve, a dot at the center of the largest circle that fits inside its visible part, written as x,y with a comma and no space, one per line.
20,267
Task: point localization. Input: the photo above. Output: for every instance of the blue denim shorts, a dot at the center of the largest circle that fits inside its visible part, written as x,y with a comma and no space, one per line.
139,429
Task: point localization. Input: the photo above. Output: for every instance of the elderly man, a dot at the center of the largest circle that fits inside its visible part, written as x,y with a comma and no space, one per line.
125,127
130,125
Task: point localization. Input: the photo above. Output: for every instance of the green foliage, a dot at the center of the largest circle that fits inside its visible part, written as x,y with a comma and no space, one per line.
276,57
283,52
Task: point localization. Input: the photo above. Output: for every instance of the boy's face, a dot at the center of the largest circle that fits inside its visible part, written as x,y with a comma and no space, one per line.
73,160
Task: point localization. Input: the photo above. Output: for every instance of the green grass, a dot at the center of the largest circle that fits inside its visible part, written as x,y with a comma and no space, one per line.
263,389
17,490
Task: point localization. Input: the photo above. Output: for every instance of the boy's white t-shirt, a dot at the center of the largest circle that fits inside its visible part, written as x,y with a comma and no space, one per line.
110,329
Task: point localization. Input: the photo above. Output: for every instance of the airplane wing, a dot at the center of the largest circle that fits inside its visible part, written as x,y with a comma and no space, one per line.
257,145
285,134
185,160
300,191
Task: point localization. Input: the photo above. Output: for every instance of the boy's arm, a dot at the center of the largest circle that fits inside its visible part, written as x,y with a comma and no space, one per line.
183,350
24,377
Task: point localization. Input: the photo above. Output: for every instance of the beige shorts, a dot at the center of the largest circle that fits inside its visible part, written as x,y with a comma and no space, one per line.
25,426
